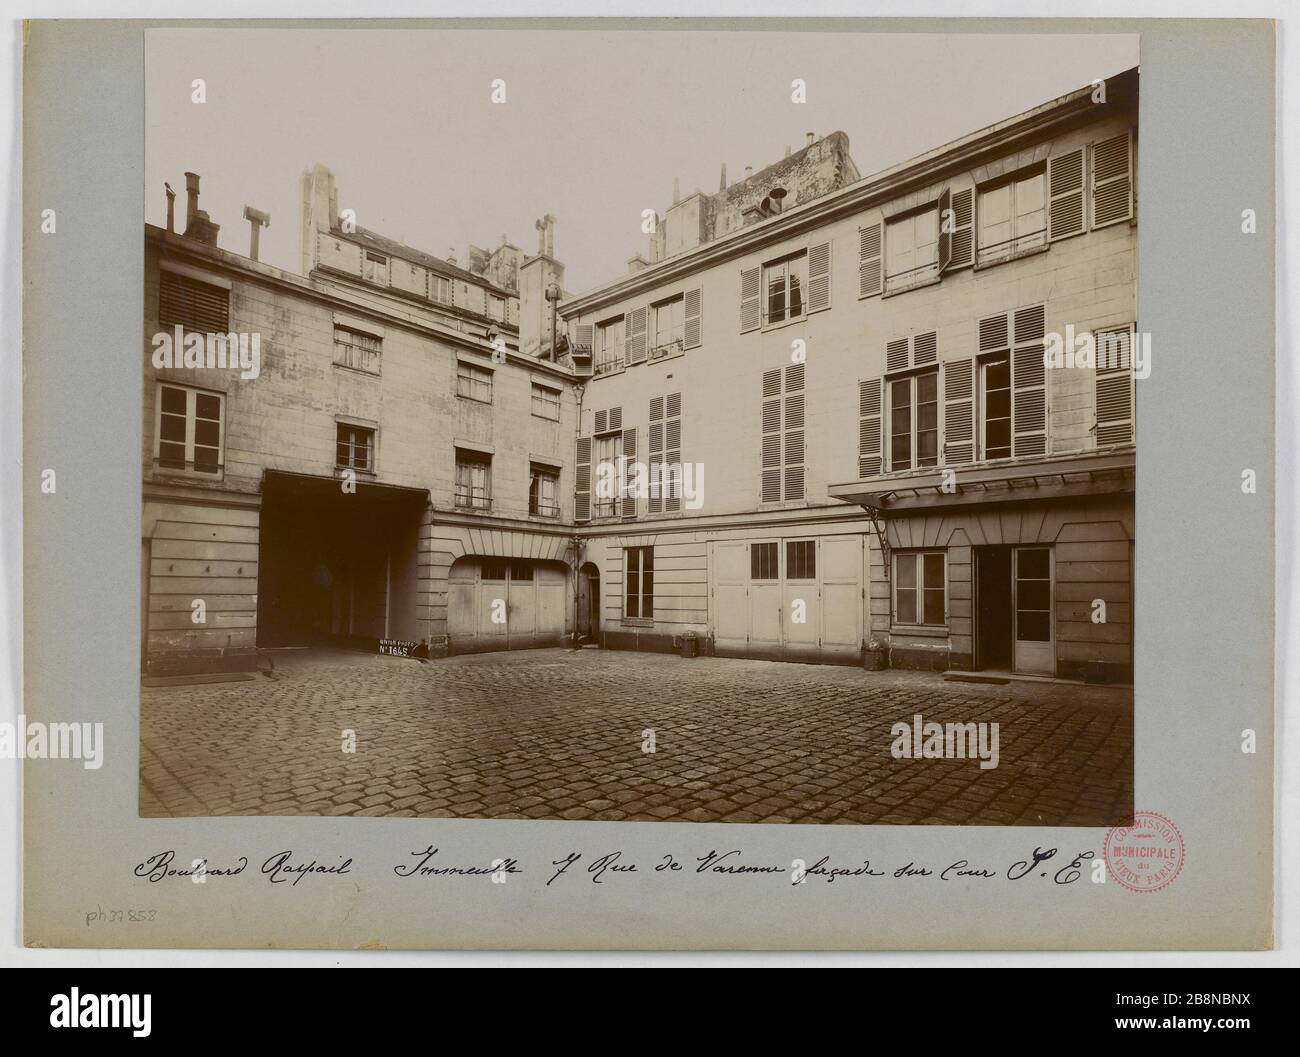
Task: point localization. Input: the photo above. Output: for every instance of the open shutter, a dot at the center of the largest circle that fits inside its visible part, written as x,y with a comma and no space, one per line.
1028,383
1065,195
602,422
627,505
819,277
673,451
958,412
584,339
896,354
1114,387
794,432
634,336
962,252
615,419
655,459
869,269
771,452
1112,181
751,297
692,312
582,480
945,229
869,421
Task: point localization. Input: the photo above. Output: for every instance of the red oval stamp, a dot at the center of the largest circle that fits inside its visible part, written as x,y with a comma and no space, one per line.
1146,856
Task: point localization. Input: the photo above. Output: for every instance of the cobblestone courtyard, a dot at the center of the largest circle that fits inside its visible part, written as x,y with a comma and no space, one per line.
555,734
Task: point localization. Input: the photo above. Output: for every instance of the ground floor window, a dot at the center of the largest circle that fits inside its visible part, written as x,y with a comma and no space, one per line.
919,588
639,583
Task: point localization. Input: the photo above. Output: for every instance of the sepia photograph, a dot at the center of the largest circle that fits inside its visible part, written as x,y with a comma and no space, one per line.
668,436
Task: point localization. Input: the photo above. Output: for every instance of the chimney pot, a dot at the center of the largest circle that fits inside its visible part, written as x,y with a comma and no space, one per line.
810,138
171,207
191,197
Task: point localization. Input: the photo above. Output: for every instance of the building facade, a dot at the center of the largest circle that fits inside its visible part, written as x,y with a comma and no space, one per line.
816,420
873,450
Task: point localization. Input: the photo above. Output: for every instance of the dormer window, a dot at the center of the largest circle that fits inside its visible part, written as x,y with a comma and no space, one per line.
375,268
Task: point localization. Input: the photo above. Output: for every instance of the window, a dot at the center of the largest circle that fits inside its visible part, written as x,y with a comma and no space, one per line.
440,288
546,403
355,447
801,560
1012,218
195,305
497,307
543,487
995,404
640,583
912,249
781,453
762,561
356,350
609,346
914,421
669,327
473,383
609,473
521,570
473,480
494,570
375,268
783,284
919,588
189,430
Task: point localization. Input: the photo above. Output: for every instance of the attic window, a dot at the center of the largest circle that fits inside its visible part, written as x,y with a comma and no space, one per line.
375,268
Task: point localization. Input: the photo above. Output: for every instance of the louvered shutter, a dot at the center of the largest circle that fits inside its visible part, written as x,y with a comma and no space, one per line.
585,339
602,422
896,355
615,419
693,312
751,300
962,254
869,423
869,269
634,335
771,453
794,432
673,451
194,304
945,235
1028,383
819,277
993,333
627,503
1065,195
1114,387
958,412
582,480
655,458
1112,181
925,349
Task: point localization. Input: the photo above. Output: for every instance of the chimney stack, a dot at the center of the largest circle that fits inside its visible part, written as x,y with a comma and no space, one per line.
749,171
191,198
677,191
810,138
198,226
722,183
256,221
171,207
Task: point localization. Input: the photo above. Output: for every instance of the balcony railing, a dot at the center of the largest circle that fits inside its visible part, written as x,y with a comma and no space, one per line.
473,498
667,348
614,363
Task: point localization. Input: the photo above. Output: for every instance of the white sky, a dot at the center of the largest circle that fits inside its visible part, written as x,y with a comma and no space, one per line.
595,127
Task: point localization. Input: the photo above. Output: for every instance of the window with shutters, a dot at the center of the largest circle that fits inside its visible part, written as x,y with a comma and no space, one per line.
914,421
189,430
920,590
473,383
912,249
375,268
1115,389
609,346
1013,384
784,289
354,447
668,327
360,352
543,491
639,583
782,451
193,304
610,474
665,454
473,479
1012,217
546,402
